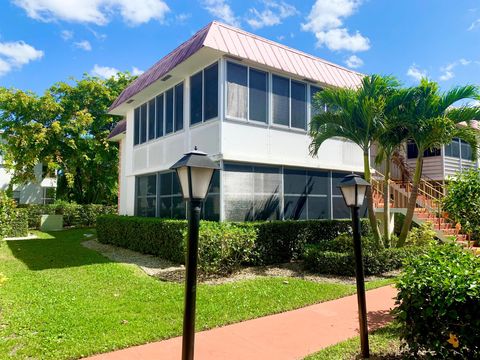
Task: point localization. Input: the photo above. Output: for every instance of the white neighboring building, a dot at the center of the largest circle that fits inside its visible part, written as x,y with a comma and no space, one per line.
41,191
245,101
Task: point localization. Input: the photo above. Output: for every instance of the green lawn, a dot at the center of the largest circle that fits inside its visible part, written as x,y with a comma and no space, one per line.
59,300
384,344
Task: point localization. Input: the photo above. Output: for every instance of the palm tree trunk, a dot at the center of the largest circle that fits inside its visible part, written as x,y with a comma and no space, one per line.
386,204
369,196
412,201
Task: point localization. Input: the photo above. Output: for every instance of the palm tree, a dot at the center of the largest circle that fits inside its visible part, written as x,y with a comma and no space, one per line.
356,115
431,121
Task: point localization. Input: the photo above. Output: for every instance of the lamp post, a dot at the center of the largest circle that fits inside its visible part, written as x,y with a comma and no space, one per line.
353,189
195,170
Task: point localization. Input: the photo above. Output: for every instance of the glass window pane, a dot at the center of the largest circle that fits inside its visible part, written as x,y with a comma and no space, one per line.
215,183
340,210
267,180
318,207
169,112
318,182
210,105
466,151
454,148
266,207
431,152
147,185
196,98
299,105
336,178
295,181
136,126
146,206
295,207
151,119
258,95
179,107
211,208
280,100
236,90
412,150
143,123
176,186
178,208
166,207
166,184
238,207
159,111
317,107
238,179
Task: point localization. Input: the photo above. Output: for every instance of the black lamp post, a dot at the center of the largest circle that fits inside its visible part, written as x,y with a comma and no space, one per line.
353,189
195,170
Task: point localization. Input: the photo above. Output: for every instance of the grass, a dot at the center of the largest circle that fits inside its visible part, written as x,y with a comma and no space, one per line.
60,300
384,344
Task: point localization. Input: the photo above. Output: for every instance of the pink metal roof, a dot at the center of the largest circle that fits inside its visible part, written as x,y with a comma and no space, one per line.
239,43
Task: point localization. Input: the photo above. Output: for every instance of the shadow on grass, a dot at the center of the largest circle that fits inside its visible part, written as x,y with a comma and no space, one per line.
55,250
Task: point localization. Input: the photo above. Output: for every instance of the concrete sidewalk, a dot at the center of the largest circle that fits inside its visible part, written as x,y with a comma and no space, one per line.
285,336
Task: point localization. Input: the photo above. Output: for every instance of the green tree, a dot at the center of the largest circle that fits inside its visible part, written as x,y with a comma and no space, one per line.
66,129
462,201
431,121
357,115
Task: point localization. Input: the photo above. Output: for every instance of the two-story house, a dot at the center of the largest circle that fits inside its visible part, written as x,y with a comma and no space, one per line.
246,101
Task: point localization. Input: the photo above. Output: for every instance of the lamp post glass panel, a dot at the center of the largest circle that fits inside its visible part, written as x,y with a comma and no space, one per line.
353,189
195,170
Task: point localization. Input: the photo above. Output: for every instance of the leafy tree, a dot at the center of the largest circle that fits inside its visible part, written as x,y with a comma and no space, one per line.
66,129
431,121
357,115
462,201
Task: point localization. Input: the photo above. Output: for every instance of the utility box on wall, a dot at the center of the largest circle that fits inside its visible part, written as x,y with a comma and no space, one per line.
51,223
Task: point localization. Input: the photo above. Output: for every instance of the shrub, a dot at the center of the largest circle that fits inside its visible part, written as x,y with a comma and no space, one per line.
74,215
462,201
439,303
281,241
12,220
421,235
336,257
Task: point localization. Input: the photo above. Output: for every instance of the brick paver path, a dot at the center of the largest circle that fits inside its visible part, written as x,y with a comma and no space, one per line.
286,336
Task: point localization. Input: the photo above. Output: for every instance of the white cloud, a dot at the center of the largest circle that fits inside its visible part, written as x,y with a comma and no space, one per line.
416,73
354,62
66,35
136,71
16,54
106,72
447,70
326,22
474,25
272,14
222,10
97,12
84,45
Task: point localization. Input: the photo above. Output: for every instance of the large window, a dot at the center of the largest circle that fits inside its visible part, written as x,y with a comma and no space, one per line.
237,91
161,115
160,195
459,149
280,100
466,150
299,105
146,195
258,95
412,151
204,95
252,192
316,107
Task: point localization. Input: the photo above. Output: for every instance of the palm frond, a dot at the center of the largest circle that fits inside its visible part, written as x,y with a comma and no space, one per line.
456,94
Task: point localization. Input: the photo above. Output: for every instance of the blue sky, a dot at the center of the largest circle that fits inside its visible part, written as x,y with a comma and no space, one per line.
44,41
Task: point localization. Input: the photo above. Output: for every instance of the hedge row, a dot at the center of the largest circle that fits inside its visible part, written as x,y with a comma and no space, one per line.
343,263
222,246
73,214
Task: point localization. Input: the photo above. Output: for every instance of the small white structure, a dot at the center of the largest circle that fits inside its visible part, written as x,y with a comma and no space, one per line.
40,191
246,101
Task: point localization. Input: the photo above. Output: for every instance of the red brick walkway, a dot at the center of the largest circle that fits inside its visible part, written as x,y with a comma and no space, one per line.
289,335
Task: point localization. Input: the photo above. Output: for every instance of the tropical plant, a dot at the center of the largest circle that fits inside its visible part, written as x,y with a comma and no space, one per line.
357,115
65,129
431,122
462,202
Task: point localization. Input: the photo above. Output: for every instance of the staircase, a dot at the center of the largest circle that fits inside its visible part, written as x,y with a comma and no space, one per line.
428,207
